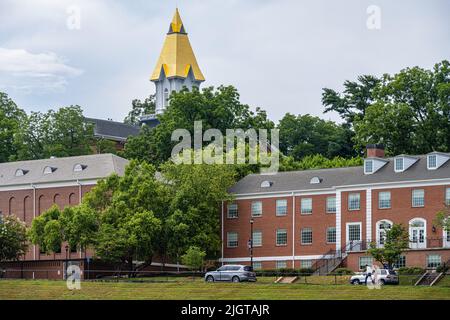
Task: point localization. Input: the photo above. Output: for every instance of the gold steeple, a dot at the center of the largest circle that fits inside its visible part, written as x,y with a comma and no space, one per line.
177,57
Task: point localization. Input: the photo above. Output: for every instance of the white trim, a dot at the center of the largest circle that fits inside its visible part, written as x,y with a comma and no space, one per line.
377,230
411,244
368,215
338,220
47,185
347,241
281,194
293,231
223,221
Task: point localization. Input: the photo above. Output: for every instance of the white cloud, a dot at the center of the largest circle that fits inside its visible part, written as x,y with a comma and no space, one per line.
28,72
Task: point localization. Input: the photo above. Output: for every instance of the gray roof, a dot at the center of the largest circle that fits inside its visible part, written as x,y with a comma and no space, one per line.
96,167
112,130
339,177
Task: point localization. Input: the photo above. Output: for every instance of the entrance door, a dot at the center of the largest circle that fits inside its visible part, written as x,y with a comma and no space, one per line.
417,234
354,237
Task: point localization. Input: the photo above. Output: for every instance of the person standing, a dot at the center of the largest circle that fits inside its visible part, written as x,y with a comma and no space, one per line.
369,273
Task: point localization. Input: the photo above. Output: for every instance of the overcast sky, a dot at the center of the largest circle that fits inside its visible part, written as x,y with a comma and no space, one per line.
278,53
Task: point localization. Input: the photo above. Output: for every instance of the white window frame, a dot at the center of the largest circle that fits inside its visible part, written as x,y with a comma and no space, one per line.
349,201
306,264
436,263
368,260
236,214
402,160
355,243
327,202
412,227
261,209
447,196
429,167
414,203
366,163
329,230
381,233
228,239
380,200
257,265
280,231
280,264
310,230
285,211
303,210
255,244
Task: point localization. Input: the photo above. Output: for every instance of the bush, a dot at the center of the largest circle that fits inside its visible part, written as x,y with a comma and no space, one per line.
442,268
285,272
411,270
343,271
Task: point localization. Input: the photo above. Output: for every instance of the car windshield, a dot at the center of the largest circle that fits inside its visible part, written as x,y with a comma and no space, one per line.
392,272
248,268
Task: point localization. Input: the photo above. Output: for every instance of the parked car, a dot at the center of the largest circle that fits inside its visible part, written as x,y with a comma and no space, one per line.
384,276
233,273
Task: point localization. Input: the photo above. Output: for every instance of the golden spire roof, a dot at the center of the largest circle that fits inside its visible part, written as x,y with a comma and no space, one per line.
177,57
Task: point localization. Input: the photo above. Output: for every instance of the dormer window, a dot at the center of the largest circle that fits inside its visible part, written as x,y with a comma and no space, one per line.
79,167
432,161
399,164
315,180
266,184
20,172
368,166
436,159
49,170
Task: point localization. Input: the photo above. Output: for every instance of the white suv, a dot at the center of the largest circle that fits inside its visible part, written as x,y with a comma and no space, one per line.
384,276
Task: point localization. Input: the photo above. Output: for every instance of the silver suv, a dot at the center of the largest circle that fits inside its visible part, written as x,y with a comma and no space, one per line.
383,276
233,273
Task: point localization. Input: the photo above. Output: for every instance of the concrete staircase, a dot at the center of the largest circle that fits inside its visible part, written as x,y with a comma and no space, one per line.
429,278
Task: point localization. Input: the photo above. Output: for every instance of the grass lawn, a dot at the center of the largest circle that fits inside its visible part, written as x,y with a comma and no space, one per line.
180,290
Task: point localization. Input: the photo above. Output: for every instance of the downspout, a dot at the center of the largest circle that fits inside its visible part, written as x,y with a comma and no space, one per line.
293,230
222,229
34,216
79,202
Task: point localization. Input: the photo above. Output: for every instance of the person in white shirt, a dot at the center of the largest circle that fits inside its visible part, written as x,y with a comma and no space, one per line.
369,273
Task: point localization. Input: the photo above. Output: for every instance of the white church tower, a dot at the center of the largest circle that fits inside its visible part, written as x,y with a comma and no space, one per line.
177,66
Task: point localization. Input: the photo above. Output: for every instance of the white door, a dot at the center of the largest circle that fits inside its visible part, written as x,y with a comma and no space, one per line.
417,237
446,239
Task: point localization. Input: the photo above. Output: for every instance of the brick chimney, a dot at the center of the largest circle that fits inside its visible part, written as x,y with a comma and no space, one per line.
375,151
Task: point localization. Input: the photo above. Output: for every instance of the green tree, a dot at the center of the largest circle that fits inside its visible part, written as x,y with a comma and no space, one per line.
304,135
11,119
193,258
395,242
140,108
217,108
318,162
443,218
13,238
105,146
410,113
61,133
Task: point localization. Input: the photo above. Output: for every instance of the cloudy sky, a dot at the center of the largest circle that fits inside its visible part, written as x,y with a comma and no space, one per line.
278,53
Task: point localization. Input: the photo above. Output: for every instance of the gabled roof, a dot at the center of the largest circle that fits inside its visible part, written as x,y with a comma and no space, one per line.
340,177
112,130
177,58
95,167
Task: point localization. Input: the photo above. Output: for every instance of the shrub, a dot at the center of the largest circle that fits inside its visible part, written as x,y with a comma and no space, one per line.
442,268
305,271
343,271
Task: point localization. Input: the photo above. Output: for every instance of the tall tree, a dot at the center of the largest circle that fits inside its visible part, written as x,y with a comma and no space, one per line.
140,108
304,135
396,241
411,112
11,119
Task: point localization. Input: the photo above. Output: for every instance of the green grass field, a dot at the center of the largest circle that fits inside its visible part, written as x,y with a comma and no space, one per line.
181,290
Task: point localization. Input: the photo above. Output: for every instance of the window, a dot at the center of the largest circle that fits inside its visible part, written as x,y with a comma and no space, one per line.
281,237
368,166
447,196
232,211
306,206
166,97
281,207
79,167
257,265
306,236
257,238
354,232
331,235
354,201
401,262
418,198
365,261
20,172
433,260
399,164
384,200
382,227
256,209
432,161
305,264
49,170
331,205
280,264
232,239
266,184
315,180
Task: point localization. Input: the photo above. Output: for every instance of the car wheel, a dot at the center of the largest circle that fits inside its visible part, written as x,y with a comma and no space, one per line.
235,279
382,282
355,282
210,279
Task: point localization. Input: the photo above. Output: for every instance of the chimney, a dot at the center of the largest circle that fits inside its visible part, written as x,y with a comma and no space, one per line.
375,151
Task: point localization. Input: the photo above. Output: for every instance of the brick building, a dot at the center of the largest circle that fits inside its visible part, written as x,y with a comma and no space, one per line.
325,218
